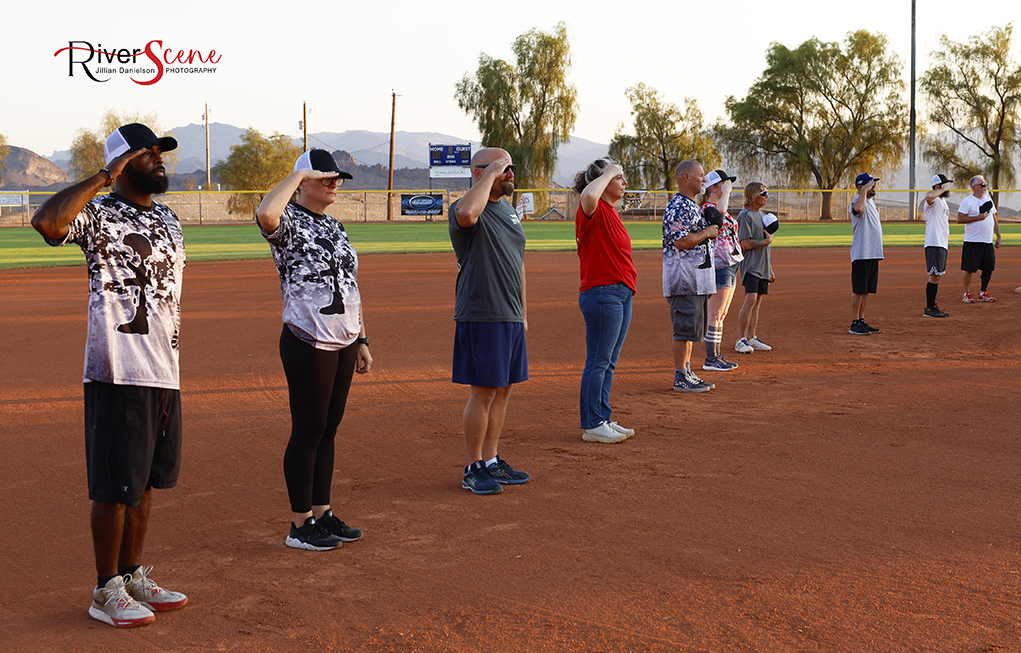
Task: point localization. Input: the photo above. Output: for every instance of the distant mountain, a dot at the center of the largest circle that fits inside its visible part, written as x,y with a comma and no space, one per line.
26,170
411,149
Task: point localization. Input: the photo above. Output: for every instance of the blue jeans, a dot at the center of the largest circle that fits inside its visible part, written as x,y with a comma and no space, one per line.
607,311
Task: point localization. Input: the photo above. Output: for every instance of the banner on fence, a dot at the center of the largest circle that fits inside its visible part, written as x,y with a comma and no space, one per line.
526,204
422,204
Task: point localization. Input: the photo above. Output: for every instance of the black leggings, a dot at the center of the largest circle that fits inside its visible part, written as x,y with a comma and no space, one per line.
317,383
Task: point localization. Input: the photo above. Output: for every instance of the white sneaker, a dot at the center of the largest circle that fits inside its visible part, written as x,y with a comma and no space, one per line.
742,346
112,605
603,433
626,432
152,596
758,345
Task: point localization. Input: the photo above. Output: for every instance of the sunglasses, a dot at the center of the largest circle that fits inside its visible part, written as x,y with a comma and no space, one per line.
981,185
331,181
510,167
764,193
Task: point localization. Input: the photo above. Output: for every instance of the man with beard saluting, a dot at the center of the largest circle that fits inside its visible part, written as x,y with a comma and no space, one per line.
134,249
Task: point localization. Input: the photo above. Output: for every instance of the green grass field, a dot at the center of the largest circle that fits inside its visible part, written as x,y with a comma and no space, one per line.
22,247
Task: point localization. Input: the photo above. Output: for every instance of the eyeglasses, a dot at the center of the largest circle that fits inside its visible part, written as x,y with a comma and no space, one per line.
330,181
510,167
981,185
764,193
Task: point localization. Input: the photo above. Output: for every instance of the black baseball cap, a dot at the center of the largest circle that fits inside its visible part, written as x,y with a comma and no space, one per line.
321,160
135,136
716,176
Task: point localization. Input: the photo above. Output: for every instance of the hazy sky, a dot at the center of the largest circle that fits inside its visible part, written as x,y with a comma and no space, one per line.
344,58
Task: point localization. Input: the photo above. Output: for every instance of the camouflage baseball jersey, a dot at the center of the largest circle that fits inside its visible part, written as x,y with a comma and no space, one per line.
318,270
135,258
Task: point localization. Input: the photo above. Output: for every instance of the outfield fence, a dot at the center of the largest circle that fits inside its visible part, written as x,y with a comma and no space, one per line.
227,207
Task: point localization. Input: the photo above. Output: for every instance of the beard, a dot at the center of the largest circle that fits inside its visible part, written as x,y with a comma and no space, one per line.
507,188
147,183
871,193
945,194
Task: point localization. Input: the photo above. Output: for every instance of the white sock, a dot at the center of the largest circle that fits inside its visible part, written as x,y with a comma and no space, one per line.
491,461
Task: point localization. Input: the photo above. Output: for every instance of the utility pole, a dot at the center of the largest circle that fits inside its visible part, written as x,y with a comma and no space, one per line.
911,132
390,183
304,125
206,116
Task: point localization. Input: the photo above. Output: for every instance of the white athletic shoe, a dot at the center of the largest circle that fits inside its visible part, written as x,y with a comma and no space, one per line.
623,430
742,346
144,590
603,433
112,605
758,345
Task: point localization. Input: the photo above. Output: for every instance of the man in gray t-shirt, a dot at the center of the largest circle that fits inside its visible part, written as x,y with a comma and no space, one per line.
490,314
866,251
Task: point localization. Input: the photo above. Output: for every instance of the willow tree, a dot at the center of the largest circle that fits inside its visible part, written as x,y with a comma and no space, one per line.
823,112
973,92
4,150
87,147
528,108
257,163
664,136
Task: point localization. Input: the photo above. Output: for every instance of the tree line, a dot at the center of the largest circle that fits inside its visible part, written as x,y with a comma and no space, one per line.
818,114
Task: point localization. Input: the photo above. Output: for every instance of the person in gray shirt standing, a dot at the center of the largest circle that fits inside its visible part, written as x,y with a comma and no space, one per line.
866,251
489,308
756,268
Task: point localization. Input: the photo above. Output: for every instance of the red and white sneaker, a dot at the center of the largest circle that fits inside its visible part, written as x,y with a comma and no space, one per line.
968,299
152,596
985,297
112,605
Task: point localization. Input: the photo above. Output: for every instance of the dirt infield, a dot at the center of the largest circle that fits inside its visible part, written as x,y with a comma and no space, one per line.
839,493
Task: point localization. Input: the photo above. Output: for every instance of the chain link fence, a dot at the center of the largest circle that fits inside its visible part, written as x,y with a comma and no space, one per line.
200,207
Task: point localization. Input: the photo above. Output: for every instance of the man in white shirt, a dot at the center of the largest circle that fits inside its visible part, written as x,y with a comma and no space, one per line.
978,215
937,240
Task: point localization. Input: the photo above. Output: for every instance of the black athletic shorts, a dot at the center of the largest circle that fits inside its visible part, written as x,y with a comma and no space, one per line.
753,284
936,260
978,256
132,440
865,276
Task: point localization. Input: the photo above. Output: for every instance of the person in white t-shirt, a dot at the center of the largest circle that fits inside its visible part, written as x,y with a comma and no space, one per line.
978,215
937,240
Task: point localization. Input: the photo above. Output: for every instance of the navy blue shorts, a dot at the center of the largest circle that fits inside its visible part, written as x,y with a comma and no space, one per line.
490,354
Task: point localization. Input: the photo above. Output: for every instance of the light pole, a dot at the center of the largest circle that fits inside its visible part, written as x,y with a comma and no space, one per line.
911,128
206,117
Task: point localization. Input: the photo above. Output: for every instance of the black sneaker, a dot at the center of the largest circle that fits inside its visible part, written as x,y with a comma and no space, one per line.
312,537
933,311
858,329
870,329
478,480
504,474
339,528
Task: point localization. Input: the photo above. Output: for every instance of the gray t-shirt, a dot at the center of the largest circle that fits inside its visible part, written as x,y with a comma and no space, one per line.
490,254
757,262
866,232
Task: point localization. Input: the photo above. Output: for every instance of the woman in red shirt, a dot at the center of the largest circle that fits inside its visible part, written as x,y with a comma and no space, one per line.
608,283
